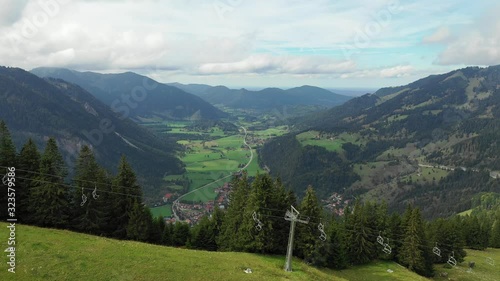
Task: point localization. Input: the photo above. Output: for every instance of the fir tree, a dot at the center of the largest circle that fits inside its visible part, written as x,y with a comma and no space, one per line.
126,192
414,253
181,234
204,235
448,240
7,159
138,227
49,200
28,166
495,234
156,231
359,236
307,234
228,239
167,238
89,212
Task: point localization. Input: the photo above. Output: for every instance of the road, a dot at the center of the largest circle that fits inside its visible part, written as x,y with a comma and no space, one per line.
174,212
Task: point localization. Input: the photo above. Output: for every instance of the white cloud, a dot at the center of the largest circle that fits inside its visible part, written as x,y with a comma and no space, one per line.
286,38
479,43
277,64
390,72
441,35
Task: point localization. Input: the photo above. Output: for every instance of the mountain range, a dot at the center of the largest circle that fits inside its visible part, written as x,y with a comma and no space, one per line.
42,108
137,97
434,143
265,99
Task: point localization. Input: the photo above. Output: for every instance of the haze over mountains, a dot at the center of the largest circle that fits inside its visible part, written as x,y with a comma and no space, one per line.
265,99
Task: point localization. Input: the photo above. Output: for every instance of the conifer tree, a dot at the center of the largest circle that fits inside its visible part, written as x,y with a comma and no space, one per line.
28,166
307,234
167,238
49,199
331,253
495,234
138,227
415,253
448,240
126,192
360,247
7,159
228,240
394,234
181,234
156,231
89,211
203,237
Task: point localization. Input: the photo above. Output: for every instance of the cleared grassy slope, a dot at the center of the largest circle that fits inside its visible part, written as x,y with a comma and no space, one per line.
48,254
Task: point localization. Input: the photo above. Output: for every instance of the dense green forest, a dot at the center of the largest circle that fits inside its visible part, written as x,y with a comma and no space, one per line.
99,203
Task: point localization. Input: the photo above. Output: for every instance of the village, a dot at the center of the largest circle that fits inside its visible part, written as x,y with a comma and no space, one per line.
192,213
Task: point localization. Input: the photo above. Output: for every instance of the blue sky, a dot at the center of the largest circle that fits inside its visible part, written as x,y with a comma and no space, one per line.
243,43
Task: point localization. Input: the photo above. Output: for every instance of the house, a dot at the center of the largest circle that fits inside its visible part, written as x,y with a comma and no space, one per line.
167,197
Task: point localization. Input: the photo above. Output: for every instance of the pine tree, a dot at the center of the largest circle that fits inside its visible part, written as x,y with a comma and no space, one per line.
138,227
448,240
204,235
307,234
167,238
156,231
7,148
7,159
415,254
49,199
495,234
331,253
89,213
28,166
228,240
394,234
126,192
181,234
262,200
359,236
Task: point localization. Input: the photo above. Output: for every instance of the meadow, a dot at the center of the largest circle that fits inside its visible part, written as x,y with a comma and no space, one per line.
50,254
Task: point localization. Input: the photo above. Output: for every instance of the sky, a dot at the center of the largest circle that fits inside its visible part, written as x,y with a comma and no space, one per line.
258,43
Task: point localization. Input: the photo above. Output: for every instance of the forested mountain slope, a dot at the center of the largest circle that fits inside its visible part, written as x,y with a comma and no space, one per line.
43,108
434,142
137,96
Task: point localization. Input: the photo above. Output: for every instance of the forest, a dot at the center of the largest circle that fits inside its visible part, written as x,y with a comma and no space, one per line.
96,202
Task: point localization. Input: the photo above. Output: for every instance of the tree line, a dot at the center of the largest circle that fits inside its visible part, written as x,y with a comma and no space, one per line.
98,203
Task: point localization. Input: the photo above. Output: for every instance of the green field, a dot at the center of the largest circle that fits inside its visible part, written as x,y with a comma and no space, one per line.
330,142
209,161
48,254
162,211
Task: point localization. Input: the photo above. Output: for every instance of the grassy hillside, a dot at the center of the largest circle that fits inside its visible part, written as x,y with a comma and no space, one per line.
47,254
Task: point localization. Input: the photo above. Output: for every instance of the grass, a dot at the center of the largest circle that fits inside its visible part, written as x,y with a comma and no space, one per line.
378,272
162,211
48,254
209,161
483,270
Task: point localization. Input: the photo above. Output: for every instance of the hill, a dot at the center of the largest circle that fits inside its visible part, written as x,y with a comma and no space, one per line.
434,143
137,96
49,254
43,108
265,99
